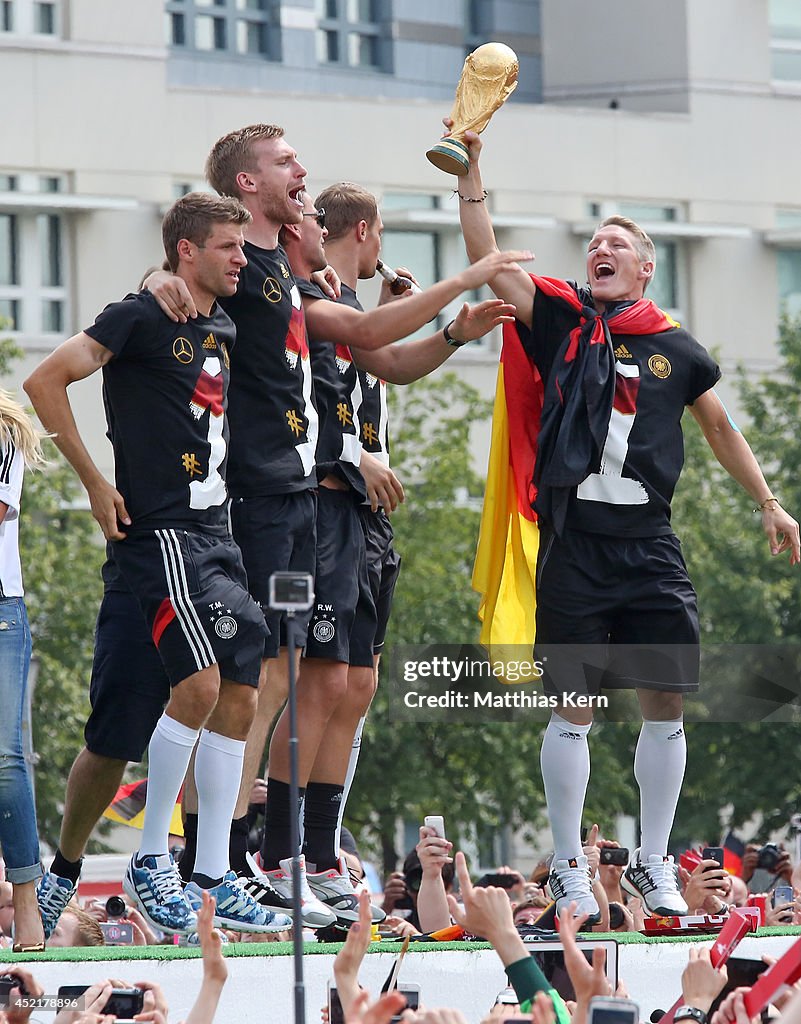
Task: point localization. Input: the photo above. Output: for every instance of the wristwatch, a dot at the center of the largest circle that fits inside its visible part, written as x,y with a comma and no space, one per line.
453,342
690,1013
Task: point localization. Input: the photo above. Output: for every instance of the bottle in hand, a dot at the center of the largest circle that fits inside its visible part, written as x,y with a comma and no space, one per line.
397,284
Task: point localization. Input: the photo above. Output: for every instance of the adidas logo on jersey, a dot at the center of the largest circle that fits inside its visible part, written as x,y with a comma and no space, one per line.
371,380
342,364
209,342
291,357
621,352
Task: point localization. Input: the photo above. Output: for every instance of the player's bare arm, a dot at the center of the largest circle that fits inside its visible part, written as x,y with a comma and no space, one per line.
74,360
402,364
392,321
512,284
734,453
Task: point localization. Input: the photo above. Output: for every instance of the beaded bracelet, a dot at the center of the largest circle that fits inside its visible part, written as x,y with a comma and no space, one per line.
470,199
761,506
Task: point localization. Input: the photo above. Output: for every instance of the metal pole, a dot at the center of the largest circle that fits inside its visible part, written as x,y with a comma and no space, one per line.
294,791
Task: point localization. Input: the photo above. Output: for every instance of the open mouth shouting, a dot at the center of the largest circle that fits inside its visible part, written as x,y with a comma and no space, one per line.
296,196
603,270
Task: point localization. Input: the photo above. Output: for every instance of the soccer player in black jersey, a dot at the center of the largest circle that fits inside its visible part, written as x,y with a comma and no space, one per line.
341,651
610,569
165,389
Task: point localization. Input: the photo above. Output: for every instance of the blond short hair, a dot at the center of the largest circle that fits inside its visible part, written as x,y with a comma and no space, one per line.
345,204
234,153
193,217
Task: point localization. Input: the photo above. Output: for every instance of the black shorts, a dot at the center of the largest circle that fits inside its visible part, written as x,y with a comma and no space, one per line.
383,567
632,594
276,533
192,590
342,625
129,687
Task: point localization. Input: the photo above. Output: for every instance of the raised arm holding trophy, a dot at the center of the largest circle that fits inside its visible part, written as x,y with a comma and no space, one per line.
488,78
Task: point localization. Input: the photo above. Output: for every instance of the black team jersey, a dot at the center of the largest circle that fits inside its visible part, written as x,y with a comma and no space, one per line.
339,398
375,416
272,414
165,397
657,375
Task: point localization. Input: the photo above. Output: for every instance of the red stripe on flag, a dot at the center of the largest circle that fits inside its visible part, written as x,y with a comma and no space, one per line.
164,617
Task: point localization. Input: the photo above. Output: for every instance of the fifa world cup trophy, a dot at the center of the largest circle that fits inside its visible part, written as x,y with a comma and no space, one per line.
489,77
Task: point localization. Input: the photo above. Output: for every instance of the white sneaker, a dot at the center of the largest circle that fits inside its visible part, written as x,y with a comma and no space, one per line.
656,882
569,882
313,912
335,889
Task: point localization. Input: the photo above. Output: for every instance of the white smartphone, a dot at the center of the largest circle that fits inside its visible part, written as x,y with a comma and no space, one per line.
437,822
612,1011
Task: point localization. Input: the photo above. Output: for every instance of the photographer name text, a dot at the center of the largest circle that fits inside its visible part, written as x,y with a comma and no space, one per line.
512,699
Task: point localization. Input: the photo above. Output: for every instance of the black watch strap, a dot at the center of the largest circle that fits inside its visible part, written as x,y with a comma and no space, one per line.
453,342
690,1013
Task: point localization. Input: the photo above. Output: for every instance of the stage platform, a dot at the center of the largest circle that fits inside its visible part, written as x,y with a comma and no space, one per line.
463,975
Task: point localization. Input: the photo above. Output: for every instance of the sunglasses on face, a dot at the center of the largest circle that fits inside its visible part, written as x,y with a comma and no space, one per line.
319,216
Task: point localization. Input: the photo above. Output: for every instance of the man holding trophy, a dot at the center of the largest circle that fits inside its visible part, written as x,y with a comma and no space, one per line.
609,377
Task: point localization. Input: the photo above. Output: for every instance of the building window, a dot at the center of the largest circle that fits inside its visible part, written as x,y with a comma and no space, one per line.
33,284
248,28
667,288
788,263
29,17
785,40
350,33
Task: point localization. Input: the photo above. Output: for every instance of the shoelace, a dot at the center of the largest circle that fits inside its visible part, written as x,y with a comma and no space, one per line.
663,876
574,881
165,881
52,901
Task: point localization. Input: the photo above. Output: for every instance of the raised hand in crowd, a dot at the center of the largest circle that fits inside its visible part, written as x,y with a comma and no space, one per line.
732,1010
591,850
215,969
365,1011
28,986
432,900
609,875
348,960
486,912
588,980
94,1001
395,891
782,913
701,983
705,888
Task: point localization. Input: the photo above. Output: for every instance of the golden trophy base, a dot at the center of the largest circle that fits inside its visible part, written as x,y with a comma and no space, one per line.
450,155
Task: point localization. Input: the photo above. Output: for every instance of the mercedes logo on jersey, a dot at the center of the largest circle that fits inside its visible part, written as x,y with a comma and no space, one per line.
183,351
272,290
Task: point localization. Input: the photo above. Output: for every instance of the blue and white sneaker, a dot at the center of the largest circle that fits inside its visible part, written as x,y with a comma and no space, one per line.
236,908
155,886
53,893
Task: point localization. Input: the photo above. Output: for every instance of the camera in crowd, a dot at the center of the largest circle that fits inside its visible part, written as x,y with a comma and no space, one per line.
123,1003
116,930
7,983
768,857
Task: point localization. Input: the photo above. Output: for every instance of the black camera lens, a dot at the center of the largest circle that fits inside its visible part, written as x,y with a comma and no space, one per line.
768,857
115,906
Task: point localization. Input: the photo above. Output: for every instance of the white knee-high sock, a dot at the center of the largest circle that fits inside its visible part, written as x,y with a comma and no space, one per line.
565,763
355,750
168,756
659,764
218,774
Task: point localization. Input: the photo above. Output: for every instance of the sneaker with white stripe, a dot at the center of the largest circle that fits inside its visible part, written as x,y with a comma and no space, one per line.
154,884
335,889
236,908
314,914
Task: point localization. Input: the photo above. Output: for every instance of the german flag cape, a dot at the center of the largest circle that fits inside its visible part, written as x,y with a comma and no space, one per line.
506,557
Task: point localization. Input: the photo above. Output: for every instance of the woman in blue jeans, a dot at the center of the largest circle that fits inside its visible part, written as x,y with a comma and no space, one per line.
19,447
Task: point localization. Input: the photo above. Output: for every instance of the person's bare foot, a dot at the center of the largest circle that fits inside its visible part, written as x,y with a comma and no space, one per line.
28,929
